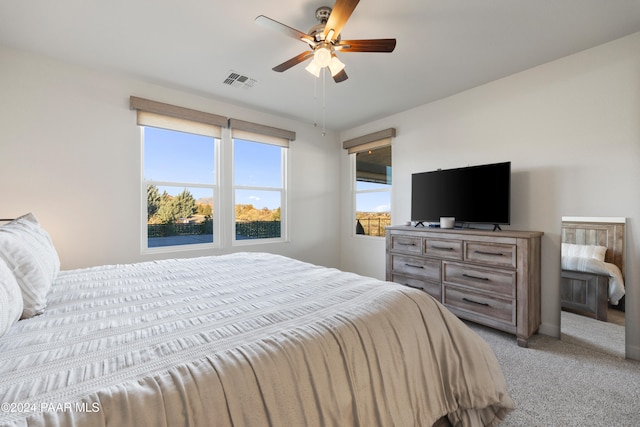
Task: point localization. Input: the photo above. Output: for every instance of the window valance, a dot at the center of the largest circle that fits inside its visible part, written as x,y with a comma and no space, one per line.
167,116
369,142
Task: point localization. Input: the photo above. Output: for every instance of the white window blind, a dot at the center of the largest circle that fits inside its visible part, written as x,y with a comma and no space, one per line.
249,131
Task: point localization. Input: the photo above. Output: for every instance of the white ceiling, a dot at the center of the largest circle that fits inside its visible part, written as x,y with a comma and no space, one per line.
443,46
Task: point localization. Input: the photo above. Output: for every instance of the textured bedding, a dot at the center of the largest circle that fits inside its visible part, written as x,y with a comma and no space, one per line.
596,266
247,339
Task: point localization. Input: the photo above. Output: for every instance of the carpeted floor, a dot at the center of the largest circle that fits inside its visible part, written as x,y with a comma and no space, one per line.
566,383
594,334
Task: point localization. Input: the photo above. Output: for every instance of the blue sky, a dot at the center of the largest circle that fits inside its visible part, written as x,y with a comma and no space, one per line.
183,157
373,202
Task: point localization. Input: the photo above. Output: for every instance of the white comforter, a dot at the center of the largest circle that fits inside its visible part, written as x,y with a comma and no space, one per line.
591,265
243,340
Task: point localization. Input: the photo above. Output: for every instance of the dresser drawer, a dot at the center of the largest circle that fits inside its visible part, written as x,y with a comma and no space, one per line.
475,302
501,282
432,288
491,253
423,268
443,248
406,244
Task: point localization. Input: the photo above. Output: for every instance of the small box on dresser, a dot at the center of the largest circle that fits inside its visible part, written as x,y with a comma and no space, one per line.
488,277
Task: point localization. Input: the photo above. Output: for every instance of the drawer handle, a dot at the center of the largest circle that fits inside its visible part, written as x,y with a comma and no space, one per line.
443,248
406,244
489,253
469,276
413,265
475,302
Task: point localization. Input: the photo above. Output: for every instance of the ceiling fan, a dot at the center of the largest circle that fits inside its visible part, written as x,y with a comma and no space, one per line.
324,40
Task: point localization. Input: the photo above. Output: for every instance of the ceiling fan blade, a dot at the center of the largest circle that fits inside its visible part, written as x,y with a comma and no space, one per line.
340,77
339,16
285,29
374,45
293,61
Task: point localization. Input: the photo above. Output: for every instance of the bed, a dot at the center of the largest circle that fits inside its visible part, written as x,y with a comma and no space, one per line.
592,265
245,339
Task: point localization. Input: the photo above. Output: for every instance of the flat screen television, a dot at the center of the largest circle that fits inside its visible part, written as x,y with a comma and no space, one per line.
472,195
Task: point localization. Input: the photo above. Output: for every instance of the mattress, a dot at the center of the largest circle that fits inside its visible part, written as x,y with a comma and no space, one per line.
247,339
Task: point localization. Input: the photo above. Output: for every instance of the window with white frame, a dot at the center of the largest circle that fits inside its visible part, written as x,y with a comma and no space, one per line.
372,184
179,176
181,170
179,185
259,186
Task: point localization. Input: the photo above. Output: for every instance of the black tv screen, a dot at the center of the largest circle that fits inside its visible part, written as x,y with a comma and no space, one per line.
474,194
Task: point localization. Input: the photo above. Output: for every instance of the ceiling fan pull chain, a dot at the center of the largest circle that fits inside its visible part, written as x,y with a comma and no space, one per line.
315,102
323,101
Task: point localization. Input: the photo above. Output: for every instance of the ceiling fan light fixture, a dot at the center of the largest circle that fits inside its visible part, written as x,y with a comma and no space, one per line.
335,65
313,68
322,56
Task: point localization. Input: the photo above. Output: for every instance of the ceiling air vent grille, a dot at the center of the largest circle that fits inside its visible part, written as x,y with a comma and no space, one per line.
238,80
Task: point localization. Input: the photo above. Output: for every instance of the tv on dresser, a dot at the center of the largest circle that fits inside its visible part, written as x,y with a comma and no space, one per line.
471,195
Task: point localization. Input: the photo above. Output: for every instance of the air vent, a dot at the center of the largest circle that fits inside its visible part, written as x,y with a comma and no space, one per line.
238,80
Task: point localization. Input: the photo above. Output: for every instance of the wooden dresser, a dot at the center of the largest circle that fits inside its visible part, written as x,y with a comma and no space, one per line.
488,277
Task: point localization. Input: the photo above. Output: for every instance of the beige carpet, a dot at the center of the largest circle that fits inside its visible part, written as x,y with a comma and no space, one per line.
594,334
561,383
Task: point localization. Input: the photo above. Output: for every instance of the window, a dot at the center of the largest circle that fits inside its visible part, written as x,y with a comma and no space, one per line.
371,164
179,176
184,205
259,190
373,191
179,185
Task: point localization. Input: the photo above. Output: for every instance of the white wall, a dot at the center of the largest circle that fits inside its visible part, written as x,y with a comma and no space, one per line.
70,152
571,129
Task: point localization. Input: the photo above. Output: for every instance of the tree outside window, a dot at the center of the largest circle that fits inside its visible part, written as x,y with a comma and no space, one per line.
178,169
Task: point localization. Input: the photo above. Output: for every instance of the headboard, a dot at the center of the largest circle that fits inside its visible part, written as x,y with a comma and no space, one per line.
608,232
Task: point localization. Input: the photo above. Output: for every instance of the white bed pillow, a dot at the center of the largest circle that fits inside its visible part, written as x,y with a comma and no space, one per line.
10,299
584,251
29,253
